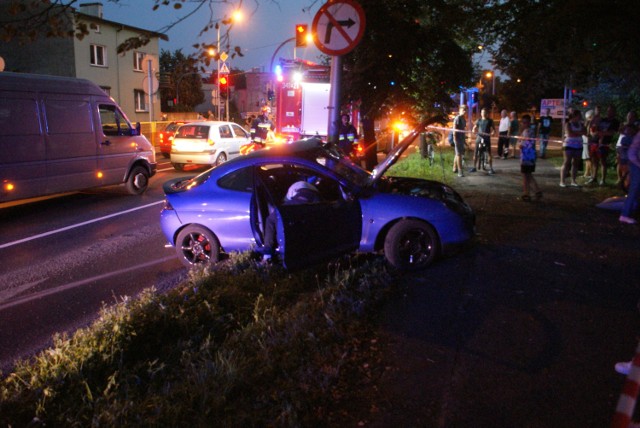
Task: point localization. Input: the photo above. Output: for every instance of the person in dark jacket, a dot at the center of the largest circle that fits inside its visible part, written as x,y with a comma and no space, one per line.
347,135
261,126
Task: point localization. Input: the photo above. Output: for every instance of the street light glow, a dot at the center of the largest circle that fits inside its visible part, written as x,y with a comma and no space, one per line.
489,74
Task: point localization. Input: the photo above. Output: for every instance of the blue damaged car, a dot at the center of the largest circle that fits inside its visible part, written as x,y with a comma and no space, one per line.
411,221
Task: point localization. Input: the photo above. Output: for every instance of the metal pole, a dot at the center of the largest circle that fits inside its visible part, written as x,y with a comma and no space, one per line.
334,99
150,85
218,76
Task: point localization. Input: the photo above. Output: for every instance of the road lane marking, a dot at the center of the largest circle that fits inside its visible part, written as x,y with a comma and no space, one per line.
10,292
51,291
73,226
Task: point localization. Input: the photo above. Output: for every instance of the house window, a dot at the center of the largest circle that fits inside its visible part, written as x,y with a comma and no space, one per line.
141,100
95,28
98,55
137,60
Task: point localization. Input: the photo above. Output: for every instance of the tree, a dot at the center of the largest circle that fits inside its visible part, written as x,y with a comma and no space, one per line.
183,81
408,56
549,44
411,57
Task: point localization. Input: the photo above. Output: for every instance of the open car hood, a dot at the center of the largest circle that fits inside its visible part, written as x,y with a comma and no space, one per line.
402,146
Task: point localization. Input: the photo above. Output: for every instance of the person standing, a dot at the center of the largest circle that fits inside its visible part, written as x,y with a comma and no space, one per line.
572,147
459,140
485,129
347,135
514,128
528,160
503,135
544,130
607,127
631,203
586,156
627,132
261,127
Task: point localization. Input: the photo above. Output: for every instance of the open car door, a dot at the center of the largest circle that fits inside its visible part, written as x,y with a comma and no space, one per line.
319,231
314,232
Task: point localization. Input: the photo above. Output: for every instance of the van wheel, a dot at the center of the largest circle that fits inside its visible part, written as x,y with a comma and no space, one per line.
222,158
178,166
138,180
196,245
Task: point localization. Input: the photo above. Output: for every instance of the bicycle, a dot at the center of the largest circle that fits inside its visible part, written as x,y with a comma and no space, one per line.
427,146
482,153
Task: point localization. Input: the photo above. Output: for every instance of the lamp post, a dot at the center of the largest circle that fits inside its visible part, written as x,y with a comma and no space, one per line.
236,16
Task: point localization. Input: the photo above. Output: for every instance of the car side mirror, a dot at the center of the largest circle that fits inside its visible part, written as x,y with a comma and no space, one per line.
136,131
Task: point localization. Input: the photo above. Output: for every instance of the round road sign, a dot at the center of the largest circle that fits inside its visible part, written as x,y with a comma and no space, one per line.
338,27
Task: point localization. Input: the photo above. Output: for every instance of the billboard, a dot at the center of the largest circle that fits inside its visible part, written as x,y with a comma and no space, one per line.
555,106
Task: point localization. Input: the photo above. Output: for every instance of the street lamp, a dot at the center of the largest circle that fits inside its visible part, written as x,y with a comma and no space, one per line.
491,75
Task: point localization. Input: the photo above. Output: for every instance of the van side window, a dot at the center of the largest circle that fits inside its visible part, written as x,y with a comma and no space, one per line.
19,117
68,116
113,122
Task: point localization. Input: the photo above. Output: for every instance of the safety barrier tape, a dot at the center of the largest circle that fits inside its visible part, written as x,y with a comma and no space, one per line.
517,137
628,396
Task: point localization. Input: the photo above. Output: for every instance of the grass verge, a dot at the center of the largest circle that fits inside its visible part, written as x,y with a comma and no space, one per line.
238,345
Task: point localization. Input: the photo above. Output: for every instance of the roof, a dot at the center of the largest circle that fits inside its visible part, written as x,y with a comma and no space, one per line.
10,81
119,24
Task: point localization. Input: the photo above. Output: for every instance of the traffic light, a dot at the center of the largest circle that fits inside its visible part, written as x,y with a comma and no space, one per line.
223,83
301,35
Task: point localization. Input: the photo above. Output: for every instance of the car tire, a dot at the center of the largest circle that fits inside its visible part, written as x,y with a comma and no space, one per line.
197,245
178,166
222,158
411,245
138,180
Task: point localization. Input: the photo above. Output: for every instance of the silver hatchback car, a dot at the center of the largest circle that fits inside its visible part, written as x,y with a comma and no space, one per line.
207,143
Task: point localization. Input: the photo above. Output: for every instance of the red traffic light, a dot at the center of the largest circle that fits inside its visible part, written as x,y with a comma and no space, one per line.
301,35
223,80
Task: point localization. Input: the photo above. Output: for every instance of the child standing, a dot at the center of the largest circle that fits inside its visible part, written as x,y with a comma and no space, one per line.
528,160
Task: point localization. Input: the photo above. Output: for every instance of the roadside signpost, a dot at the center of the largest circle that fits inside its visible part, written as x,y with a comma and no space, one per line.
338,27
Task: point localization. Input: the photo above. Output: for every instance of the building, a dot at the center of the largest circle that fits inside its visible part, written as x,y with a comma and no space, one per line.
123,76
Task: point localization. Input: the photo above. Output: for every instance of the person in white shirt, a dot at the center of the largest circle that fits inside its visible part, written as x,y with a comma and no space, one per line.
503,135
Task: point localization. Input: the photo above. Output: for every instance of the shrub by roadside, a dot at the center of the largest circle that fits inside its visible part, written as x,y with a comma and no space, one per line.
237,345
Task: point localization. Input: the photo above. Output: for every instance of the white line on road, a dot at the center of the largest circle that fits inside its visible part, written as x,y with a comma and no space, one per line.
65,287
73,226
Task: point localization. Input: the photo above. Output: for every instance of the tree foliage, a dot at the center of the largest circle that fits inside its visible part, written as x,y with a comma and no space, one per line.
182,81
414,55
549,44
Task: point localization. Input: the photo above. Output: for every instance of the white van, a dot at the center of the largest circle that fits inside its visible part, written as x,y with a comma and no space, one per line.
60,134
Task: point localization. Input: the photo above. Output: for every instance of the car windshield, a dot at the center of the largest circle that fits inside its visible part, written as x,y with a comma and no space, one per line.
329,157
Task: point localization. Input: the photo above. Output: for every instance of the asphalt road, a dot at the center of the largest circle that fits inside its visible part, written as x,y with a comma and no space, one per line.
64,258
524,328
